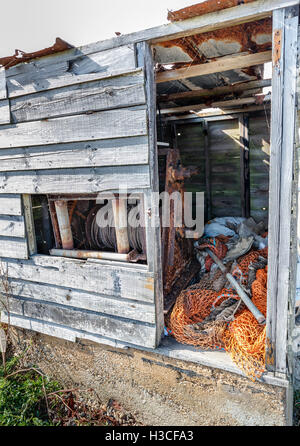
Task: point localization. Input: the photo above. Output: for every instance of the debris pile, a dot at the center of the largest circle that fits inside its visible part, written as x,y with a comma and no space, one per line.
210,314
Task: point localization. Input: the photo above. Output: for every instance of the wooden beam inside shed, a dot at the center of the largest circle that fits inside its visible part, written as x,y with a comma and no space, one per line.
215,92
217,104
62,213
222,64
218,112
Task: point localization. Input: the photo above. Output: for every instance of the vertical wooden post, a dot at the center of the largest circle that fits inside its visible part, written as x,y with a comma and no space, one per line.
119,206
64,225
244,163
291,21
29,224
285,26
274,186
151,196
207,169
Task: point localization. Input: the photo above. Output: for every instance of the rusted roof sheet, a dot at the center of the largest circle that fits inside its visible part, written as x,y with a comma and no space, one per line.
200,48
204,8
254,37
21,56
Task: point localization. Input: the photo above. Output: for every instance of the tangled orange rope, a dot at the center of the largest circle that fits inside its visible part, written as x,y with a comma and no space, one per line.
243,338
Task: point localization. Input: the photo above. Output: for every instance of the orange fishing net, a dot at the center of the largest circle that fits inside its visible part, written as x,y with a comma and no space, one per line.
239,332
245,338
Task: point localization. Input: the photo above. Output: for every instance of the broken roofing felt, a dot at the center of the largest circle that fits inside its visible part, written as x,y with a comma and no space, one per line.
21,56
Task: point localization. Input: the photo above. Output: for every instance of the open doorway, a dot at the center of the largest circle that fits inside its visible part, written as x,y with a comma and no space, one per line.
214,133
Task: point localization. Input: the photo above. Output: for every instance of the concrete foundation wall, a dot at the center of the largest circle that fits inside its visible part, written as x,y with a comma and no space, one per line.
156,389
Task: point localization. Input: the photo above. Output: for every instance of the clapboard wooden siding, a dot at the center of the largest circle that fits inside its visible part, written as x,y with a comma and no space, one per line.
97,153
131,309
122,91
3,91
122,282
11,226
75,180
12,247
4,112
31,78
76,125
13,243
10,204
102,125
123,329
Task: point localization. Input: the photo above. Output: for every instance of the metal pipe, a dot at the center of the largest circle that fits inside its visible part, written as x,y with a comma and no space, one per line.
80,254
62,213
244,297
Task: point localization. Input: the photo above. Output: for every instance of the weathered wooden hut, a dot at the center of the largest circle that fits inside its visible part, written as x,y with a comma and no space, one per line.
80,121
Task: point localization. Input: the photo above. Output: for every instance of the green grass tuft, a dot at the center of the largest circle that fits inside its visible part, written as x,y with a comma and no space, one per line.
22,397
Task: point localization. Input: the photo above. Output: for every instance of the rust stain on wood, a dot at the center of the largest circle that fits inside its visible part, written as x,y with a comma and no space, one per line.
277,47
149,284
270,357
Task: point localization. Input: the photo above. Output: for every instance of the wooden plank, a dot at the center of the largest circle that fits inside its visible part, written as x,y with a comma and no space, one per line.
101,125
10,204
29,224
4,112
216,104
222,64
217,91
286,184
12,226
38,326
110,305
121,282
13,248
75,180
125,330
59,331
123,91
228,113
98,153
3,91
69,71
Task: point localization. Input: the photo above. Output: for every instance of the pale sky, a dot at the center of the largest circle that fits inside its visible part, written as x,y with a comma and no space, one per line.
31,25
